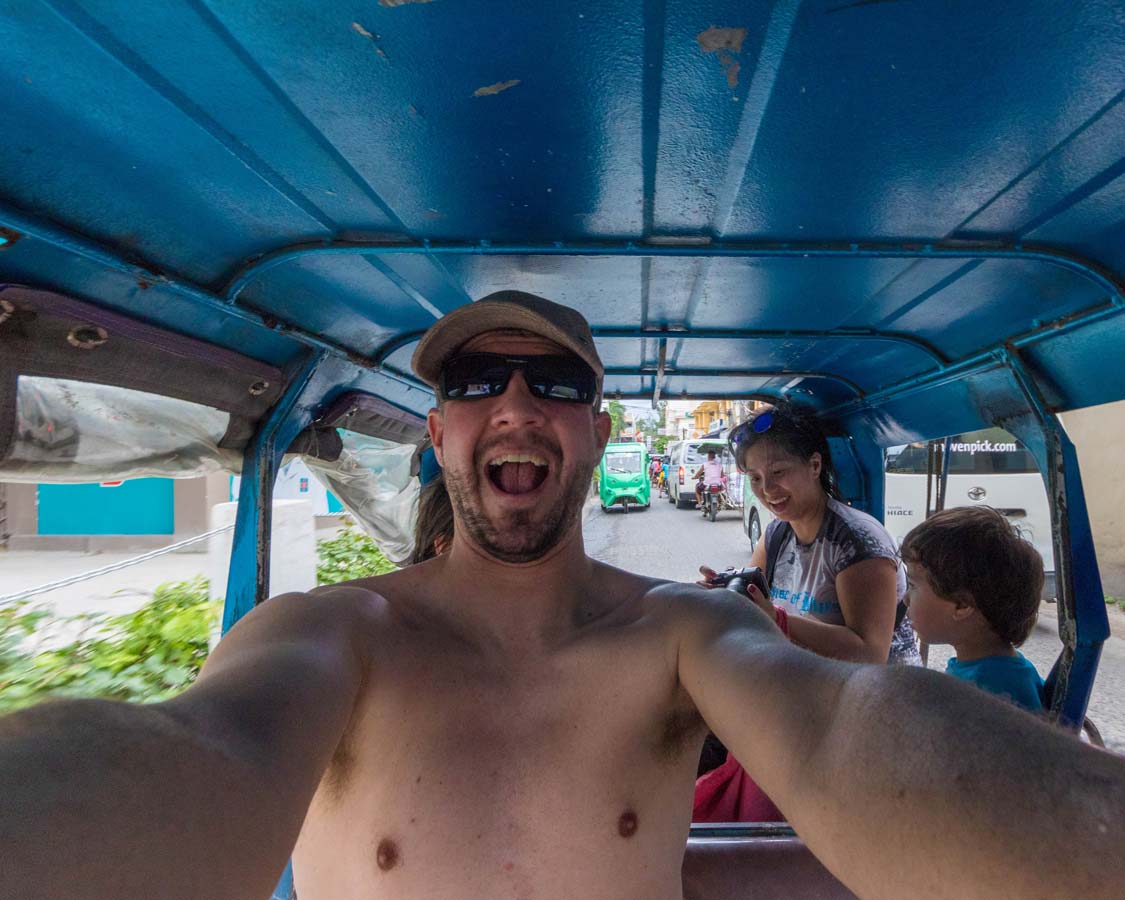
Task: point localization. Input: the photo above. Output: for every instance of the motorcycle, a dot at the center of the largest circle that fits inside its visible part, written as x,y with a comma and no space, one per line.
715,499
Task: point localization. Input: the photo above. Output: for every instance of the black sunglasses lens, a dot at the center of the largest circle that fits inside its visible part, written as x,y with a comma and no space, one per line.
474,375
561,378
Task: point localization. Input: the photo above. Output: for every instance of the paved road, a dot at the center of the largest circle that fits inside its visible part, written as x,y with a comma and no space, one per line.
670,543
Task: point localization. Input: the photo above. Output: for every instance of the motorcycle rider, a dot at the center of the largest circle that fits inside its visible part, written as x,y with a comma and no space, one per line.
711,472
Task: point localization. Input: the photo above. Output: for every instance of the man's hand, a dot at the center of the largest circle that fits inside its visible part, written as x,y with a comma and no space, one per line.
201,796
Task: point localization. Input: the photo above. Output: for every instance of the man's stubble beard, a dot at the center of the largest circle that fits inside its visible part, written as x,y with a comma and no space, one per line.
520,539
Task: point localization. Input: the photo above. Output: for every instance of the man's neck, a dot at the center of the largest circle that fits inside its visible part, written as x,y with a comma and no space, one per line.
521,605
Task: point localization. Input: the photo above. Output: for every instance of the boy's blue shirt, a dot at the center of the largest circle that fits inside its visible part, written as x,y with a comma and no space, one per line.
1012,677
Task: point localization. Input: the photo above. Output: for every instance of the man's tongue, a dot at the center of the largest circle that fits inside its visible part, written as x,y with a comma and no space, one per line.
519,478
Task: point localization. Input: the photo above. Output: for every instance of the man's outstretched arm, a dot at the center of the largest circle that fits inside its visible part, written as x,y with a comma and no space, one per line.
902,781
200,796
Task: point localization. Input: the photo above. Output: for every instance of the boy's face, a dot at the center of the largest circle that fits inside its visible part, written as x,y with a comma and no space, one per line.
936,619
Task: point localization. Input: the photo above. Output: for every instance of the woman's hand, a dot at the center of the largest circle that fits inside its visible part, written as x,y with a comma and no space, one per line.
761,601
708,575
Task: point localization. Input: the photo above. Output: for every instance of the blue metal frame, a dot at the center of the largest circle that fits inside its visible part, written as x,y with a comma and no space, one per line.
977,363
717,334
751,250
248,581
21,224
1083,623
227,303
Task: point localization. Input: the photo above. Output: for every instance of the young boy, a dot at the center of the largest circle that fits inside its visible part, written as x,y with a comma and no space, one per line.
974,583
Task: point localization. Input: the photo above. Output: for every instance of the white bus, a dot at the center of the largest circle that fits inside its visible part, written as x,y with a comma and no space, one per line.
987,467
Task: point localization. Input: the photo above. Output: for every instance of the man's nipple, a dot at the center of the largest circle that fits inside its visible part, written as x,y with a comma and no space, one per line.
387,855
627,824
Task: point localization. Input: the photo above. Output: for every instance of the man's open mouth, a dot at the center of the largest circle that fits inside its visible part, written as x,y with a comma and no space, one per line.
517,473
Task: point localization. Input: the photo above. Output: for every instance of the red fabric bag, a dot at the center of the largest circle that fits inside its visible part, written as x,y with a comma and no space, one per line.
728,794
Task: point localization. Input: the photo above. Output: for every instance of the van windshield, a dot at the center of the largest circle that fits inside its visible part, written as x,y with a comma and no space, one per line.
623,463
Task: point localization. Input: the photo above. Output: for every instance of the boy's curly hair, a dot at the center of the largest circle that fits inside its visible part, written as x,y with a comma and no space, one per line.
974,553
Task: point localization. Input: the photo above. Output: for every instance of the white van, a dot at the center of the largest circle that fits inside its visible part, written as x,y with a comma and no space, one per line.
987,467
685,458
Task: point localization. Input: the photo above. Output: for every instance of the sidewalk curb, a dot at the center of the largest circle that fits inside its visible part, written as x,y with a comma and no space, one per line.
1049,619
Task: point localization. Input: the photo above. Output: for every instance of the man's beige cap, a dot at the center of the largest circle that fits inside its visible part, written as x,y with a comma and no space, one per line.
504,310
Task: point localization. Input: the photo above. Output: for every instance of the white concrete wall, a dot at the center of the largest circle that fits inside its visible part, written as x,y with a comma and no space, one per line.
292,552
1098,433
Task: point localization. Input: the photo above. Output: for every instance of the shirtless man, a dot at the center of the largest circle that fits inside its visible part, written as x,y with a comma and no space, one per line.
514,719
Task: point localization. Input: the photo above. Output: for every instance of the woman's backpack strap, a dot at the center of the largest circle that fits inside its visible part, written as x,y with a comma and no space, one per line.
775,538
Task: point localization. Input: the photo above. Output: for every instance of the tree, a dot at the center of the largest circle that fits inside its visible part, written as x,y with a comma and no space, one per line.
617,417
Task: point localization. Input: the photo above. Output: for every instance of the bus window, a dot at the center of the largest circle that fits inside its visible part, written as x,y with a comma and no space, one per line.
988,467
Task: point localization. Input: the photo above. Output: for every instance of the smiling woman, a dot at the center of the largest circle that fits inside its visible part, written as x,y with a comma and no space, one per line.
833,570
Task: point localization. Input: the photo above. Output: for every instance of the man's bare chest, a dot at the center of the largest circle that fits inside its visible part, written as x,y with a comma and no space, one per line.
456,762
435,704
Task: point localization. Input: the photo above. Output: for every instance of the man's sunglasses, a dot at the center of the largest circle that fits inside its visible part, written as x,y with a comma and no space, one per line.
473,376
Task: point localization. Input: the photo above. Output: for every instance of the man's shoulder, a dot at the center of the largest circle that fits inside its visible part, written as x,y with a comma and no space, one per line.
679,605
361,605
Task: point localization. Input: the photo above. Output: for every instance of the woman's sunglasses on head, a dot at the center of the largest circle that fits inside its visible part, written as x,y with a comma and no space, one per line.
760,424
475,376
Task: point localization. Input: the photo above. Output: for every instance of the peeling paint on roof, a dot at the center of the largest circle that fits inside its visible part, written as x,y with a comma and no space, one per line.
401,2
724,42
495,88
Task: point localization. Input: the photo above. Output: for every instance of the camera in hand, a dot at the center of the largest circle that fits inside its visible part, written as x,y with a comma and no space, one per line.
738,579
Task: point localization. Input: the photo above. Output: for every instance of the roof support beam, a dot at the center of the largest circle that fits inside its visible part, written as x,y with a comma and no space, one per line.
16,225
975,363
658,381
1052,256
740,373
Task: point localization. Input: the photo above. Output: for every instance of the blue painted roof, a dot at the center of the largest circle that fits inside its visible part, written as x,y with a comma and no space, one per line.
848,202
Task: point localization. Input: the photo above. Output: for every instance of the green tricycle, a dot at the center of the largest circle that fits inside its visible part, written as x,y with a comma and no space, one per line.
623,476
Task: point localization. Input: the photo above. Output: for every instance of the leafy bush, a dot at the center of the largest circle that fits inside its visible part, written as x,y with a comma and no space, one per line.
149,654
349,555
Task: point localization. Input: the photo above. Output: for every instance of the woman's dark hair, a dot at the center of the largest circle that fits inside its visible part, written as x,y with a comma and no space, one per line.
793,430
435,521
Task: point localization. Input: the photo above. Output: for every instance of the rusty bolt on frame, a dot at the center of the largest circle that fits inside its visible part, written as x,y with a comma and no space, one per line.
87,337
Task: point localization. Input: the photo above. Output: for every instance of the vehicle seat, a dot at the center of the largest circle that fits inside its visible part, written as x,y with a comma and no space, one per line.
771,863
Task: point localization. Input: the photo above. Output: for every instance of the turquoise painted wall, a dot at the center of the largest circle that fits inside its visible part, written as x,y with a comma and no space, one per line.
142,506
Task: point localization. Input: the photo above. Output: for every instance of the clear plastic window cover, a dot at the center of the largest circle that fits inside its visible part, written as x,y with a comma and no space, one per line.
372,481
78,431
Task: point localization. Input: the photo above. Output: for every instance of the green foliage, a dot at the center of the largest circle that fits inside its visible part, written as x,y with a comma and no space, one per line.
660,443
1110,600
349,555
617,417
149,654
